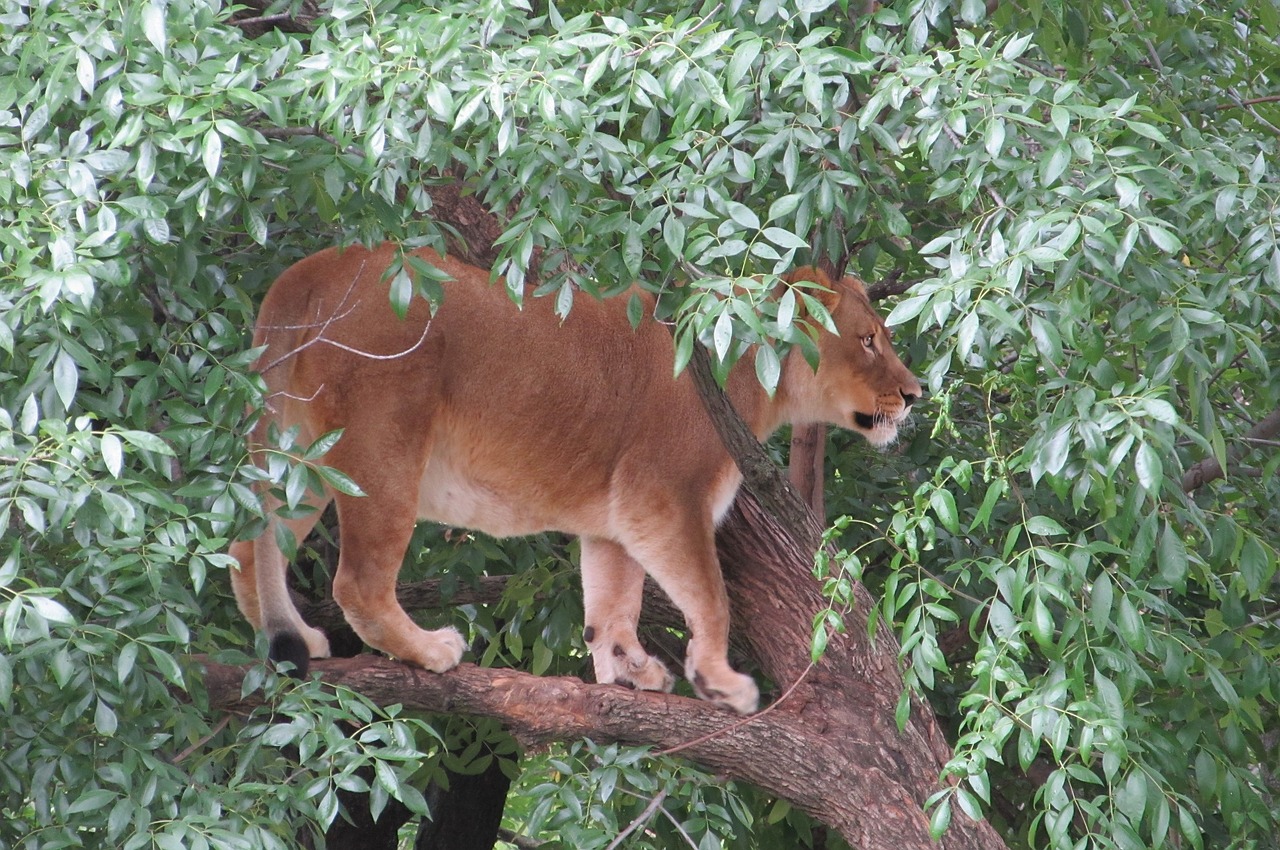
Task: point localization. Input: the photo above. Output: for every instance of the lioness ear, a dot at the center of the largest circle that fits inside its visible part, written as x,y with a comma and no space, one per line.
828,294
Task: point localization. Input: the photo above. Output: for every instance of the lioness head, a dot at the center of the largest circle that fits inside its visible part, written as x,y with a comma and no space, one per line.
860,383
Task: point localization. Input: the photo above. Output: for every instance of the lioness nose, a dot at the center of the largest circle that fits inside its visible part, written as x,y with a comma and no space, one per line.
909,398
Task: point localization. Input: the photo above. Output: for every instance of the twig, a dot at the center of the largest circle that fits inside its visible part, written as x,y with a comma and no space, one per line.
261,19
523,842
1151,48
217,727
742,721
680,828
1248,108
1240,104
291,132
640,820
320,337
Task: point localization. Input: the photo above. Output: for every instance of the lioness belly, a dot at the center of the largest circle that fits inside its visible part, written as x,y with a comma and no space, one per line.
500,505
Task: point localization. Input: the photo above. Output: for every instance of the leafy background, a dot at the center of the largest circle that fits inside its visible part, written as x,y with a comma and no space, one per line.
1082,199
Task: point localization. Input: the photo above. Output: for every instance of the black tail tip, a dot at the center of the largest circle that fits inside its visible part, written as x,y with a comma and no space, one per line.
289,646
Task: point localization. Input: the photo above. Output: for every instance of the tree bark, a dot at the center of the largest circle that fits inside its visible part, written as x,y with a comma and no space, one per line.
828,742
806,470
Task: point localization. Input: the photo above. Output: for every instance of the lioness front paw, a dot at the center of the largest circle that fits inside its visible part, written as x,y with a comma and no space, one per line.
438,651
729,689
635,669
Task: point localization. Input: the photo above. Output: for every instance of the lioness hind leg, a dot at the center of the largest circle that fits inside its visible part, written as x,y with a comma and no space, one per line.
273,610
612,583
375,535
680,554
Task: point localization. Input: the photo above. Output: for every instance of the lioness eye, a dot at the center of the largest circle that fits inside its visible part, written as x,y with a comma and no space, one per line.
868,340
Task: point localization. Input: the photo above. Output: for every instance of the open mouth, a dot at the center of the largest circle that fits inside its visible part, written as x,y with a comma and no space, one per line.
864,420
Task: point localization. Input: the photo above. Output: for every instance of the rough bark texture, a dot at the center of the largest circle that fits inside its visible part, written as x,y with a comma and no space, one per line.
828,742
808,452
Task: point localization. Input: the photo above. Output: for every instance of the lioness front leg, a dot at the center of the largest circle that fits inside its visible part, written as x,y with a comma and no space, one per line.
681,556
612,586
375,535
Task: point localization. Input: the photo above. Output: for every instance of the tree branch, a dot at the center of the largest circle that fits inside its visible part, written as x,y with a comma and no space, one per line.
801,766
1209,469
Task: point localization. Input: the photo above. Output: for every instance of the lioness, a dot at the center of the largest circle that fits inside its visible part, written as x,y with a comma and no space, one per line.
511,422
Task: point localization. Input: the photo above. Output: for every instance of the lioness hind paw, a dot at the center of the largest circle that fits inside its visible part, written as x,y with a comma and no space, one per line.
640,671
736,691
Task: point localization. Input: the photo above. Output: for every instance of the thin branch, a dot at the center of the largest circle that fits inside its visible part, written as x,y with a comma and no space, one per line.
292,132
640,820
679,828
1240,104
217,727
523,842
370,355
333,317
891,285
715,733
264,20
1151,48
1209,469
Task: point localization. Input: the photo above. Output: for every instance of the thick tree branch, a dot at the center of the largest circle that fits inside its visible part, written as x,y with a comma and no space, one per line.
801,766
1209,469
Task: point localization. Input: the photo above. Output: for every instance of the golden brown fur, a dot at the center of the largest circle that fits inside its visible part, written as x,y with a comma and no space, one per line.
510,421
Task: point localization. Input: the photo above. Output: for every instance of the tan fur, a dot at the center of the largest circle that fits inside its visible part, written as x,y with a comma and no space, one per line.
511,422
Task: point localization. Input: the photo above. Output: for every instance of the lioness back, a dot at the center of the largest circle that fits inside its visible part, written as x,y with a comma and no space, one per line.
528,420
510,421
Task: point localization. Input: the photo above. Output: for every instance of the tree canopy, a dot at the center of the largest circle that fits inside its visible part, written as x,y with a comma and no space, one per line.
1069,212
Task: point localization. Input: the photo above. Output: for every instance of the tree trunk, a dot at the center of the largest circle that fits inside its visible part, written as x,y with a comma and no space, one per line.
468,814
828,743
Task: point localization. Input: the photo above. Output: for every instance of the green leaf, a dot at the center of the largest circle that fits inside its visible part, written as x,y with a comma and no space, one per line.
743,215
768,367
339,481
6,683
940,819
943,504
1171,557
1042,626
323,444
401,291
1044,526
1129,625
104,719
1149,468
146,441
50,610
112,453
66,377
1100,600
1257,566
153,25
784,238
722,336
92,800
1162,238
211,152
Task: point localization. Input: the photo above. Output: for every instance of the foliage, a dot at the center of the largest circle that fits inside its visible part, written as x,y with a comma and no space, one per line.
1083,196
